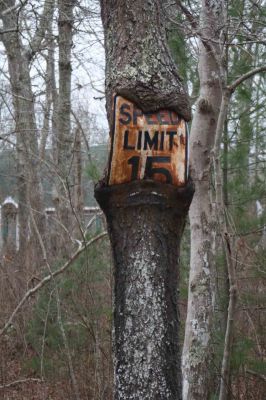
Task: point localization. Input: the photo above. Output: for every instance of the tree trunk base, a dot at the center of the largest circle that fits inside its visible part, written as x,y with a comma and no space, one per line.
145,222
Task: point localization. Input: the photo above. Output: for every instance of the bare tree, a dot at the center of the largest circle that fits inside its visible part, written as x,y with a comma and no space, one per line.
28,161
63,126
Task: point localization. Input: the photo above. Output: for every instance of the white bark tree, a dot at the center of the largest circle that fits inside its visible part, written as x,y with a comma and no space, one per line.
197,351
208,215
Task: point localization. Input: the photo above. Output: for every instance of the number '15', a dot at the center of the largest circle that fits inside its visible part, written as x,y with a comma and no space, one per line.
150,171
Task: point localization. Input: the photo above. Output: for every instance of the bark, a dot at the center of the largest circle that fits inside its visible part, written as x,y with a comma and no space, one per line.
197,351
145,222
139,66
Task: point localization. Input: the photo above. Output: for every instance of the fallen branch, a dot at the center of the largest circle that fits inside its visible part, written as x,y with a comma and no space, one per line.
20,381
256,374
47,279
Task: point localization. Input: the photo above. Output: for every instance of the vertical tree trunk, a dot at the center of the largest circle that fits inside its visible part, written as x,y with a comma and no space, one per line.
48,89
145,221
197,352
78,198
63,124
28,165
145,218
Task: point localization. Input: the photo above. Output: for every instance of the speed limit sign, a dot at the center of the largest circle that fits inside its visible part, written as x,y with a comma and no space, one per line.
147,145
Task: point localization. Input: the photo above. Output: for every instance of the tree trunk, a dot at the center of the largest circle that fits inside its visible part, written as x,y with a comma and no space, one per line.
197,352
145,218
63,124
28,163
78,197
145,221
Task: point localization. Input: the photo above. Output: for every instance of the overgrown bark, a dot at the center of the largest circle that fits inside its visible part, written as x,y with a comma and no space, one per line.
138,61
145,222
197,352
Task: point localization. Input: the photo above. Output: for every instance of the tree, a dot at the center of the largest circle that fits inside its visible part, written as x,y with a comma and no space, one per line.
145,218
65,311
209,215
64,136
197,351
28,162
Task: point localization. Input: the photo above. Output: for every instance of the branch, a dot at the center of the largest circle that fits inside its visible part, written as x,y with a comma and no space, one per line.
256,374
48,278
188,14
207,42
47,13
19,381
2,32
246,76
83,134
227,93
8,10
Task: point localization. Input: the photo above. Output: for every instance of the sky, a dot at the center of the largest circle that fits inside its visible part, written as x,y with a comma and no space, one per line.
88,63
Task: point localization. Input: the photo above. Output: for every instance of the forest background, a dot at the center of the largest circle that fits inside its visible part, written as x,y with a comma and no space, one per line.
56,331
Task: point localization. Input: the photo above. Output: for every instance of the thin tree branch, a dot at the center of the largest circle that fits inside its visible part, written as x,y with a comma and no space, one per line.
188,14
9,10
47,14
20,381
256,374
246,76
48,278
2,32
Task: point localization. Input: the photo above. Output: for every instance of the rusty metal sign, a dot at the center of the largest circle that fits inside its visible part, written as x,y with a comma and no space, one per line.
147,146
